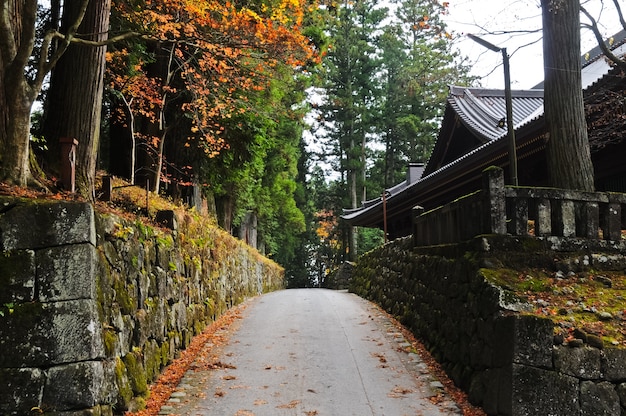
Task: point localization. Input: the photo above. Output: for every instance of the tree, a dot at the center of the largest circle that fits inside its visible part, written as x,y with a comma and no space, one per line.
141,96
74,100
21,79
568,155
605,46
214,55
351,90
417,67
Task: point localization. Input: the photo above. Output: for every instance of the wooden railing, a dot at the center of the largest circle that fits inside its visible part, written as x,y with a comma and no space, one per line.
542,212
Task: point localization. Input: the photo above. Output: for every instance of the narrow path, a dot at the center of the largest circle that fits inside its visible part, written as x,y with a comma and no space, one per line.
311,352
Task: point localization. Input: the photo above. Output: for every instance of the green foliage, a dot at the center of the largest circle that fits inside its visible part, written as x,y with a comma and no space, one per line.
370,238
254,180
8,308
386,84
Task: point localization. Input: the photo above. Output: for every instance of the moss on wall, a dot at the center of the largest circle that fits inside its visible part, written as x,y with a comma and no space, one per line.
151,290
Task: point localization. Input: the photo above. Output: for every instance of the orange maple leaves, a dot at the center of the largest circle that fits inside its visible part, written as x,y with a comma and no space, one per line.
221,51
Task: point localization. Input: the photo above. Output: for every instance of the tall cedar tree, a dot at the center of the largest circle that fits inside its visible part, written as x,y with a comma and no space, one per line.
74,100
568,155
418,65
16,96
351,90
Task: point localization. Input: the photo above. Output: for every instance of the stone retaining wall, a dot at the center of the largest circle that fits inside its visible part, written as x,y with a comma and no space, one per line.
509,361
93,306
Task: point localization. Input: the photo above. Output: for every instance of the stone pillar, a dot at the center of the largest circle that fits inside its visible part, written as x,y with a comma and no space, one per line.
418,238
495,201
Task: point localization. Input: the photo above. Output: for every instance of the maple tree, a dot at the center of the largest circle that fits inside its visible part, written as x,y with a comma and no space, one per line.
141,96
219,53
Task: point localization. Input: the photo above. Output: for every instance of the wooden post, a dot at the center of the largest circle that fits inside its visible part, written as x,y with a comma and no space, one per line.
386,194
68,163
107,188
416,211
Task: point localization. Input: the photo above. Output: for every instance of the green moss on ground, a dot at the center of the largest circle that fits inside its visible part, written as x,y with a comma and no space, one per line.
594,302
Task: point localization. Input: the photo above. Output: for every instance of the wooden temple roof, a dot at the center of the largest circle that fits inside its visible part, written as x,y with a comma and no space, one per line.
471,139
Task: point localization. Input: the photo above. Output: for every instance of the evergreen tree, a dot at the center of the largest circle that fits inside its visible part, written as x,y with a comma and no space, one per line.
351,92
418,66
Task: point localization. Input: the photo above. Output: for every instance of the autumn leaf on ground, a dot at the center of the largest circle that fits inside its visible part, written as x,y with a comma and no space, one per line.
292,404
380,357
398,392
167,381
239,386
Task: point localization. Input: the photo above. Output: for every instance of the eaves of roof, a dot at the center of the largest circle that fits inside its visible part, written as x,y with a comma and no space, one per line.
480,110
483,111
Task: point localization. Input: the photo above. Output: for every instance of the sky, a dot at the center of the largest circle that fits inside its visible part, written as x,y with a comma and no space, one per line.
515,25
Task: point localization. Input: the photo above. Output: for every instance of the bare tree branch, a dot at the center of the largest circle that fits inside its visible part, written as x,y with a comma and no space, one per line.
593,26
45,64
620,14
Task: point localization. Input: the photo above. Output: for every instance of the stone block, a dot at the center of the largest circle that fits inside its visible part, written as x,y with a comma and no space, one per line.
523,339
485,388
20,390
67,273
615,359
17,276
584,363
496,381
46,334
541,392
621,392
79,385
599,399
92,411
43,224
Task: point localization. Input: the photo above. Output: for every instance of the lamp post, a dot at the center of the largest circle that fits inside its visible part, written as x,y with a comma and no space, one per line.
386,194
509,104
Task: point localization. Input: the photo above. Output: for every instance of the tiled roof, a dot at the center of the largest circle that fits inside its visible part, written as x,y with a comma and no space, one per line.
483,111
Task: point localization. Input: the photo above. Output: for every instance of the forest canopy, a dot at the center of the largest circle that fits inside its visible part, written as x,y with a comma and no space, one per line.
207,95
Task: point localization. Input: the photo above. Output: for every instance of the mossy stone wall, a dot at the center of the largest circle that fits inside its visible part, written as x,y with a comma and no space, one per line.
93,306
507,359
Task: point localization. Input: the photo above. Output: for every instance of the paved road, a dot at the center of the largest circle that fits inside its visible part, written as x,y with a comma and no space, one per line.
311,352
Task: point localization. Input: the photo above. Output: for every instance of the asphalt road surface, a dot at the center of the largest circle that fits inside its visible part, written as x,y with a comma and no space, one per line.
312,352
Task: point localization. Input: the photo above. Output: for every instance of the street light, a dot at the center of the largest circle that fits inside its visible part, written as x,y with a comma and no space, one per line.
386,194
509,104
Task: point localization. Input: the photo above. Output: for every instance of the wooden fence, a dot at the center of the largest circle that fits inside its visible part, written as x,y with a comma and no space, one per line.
500,209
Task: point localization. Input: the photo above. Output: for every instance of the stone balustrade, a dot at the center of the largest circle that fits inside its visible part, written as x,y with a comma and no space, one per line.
521,211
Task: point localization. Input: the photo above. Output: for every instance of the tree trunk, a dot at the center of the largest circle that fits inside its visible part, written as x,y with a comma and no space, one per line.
16,96
568,155
14,166
75,96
